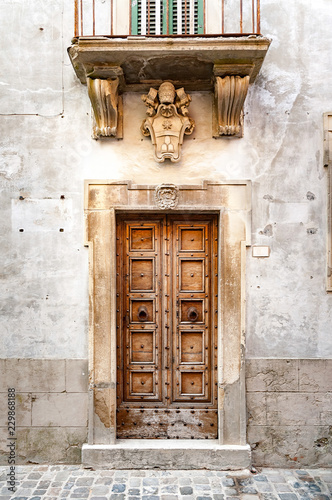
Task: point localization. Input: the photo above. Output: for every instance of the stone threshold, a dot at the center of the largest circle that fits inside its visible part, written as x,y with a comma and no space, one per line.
166,454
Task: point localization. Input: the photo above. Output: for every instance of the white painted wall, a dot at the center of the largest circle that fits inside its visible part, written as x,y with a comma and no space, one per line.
47,152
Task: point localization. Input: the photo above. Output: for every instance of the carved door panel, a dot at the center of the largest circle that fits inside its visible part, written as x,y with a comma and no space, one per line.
166,324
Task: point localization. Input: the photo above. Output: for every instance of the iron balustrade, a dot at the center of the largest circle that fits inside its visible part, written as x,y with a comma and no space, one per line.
166,17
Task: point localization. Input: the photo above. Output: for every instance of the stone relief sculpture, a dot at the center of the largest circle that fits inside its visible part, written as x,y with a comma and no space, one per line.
167,196
167,121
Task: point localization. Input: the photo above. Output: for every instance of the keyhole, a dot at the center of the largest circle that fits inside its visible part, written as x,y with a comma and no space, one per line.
142,313
192,314
142,346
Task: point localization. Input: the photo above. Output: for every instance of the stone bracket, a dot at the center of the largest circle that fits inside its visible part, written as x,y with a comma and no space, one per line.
230,93
107,107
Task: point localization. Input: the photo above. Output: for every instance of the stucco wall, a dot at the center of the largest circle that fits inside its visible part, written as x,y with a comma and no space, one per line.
47,152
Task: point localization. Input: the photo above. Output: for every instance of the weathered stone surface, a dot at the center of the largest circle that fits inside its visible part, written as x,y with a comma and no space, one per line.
77,375
272,375
256,408
38,445
22,409
127,454
40,48
35,375
290,446
315,375
301,409
60,410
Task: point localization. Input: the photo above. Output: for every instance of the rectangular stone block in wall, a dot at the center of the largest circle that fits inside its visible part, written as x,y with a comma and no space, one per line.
289,412
51,409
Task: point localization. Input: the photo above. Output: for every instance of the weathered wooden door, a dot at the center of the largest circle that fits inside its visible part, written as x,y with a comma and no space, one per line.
167,326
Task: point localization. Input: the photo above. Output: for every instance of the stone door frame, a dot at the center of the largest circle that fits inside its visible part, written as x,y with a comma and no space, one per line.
232,201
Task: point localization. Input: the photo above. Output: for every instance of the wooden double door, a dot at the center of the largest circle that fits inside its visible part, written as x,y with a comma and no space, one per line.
167,326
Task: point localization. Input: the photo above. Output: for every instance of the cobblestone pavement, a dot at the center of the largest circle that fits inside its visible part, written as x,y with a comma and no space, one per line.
39,482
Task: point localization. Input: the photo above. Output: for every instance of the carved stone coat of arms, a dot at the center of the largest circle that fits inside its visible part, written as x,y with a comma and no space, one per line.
167,121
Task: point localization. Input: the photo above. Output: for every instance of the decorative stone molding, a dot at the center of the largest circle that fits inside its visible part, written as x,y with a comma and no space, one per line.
103,201
107,107
167,121
167,196
230,94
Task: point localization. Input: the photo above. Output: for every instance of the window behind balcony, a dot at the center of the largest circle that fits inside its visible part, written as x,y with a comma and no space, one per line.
167,17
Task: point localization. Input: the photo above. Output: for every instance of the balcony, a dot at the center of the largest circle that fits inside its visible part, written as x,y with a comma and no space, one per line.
194,44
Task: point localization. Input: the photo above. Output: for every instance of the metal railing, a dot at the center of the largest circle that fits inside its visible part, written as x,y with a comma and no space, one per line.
166,17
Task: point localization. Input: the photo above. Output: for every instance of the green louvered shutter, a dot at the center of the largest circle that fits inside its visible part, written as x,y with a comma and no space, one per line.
162,17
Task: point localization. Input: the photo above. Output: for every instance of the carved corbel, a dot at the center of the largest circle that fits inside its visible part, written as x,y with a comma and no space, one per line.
107,107
230,94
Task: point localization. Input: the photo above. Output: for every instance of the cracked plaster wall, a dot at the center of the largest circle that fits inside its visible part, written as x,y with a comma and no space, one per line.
47,152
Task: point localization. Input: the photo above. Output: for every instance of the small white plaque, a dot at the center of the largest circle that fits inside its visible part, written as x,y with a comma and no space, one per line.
261,251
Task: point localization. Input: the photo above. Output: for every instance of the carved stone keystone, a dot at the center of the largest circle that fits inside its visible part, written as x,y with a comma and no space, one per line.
230,94
167,121
167,196
107,107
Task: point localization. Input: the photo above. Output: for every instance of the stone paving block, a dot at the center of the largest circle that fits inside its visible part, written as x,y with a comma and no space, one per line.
134,491
288,496
149,481
118,488
276,478
263,487
231,492
185,481
228,481
201,480
281,487
150,490
80,492
260,478
170,488
271,375
134,482
186,490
